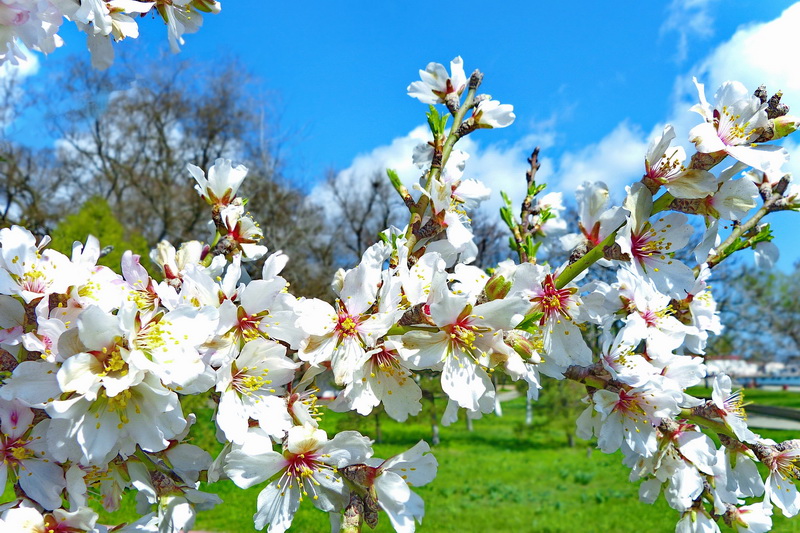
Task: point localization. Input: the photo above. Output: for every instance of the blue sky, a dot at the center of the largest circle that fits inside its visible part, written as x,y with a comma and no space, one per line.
590,81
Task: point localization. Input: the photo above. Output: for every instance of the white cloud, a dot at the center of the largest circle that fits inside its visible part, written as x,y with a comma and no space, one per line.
396,156
617,159
12,78
757,53
689,19
498,165
26,67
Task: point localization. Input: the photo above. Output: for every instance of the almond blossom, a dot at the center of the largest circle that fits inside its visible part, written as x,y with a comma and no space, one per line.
597,219
493,114
436,85
466,336
249,387
631,417
145,414
384,378
650,317
101,365
223,181
307,467
392,480
28,273
732,125
755,518
563,344
32,24
730,408
664,167
780,488
650,245
24,451
29,520
343,334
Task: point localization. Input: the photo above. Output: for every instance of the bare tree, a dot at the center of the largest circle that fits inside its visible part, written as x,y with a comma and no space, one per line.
128,138
295,226
761,312
360,207
491,238
29,196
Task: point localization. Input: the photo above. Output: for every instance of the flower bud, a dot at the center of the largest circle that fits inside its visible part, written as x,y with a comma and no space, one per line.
497,288
526,347
785,125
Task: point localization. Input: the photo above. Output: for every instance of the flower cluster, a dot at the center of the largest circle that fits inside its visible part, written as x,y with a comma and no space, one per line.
34,24
96,364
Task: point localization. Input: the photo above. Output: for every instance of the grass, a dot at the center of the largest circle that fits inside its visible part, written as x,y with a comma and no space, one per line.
777,398
502,477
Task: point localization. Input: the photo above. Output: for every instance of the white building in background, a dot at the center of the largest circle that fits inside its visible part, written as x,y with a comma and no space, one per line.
776,368
792,368
734,366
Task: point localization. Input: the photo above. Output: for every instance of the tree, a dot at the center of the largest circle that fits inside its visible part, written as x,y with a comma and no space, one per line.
359,207
29,195
96,218
131,140
765,307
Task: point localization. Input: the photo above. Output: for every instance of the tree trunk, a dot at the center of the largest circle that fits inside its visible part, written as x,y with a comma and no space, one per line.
434,423
528,411
498,409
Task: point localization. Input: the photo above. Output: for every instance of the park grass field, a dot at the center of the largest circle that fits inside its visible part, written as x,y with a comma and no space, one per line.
502,477
777,398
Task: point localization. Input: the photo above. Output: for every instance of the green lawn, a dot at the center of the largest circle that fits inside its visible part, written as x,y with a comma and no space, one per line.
499,477
778,398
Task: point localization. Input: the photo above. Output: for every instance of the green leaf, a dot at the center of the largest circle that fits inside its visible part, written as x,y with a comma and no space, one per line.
508,217
535,189
437,122
531,322
733,247
531,247
764,235
512,243
506,199
394,178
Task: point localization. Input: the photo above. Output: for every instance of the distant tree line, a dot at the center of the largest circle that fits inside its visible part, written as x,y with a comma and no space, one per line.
124,138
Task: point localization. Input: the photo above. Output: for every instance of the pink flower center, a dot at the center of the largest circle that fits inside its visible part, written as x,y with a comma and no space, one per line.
552,301
301,465
785,464
628,403
463,333
14,451
385,358
13,16
647,244
248,324
650,318
729,130
347,324
665,168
